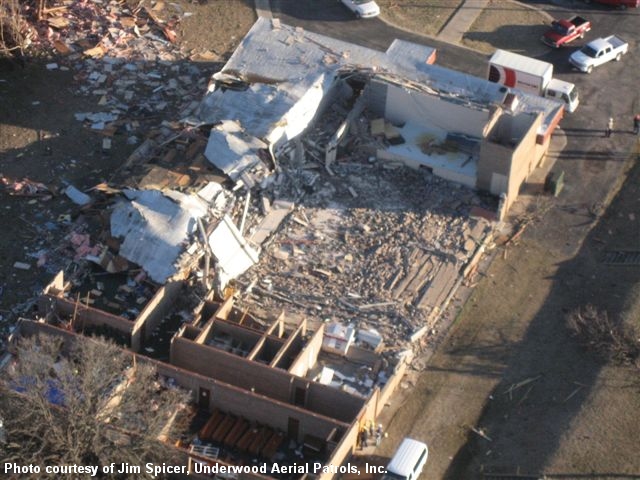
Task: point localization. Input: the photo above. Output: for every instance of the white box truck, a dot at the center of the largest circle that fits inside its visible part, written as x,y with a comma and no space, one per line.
531,76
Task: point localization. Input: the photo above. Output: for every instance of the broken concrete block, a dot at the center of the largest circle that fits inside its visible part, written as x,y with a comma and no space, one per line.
265,204
391,132
377,126
281,254
469,245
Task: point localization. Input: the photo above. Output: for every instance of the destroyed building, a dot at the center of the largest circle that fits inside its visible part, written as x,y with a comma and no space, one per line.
462,128
266,391
322,220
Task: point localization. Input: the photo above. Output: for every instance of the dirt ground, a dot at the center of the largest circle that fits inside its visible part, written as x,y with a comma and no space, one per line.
507,25
215,27
41,140
426,17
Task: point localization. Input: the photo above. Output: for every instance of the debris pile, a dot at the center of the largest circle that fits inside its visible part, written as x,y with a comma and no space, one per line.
125,58
386,258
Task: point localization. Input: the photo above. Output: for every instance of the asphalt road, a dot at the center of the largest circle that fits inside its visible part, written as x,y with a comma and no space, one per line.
333,19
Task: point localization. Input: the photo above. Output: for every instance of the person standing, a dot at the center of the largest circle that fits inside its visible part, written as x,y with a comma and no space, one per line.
378,435
609,130
364,438
636,124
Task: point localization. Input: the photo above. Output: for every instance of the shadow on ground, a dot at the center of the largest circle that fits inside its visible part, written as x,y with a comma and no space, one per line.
527,423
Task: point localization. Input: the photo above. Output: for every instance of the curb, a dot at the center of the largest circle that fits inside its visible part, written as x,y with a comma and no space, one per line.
536,9
263,8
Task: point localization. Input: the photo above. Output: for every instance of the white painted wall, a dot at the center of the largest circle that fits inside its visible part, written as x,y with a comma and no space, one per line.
298,118
428,110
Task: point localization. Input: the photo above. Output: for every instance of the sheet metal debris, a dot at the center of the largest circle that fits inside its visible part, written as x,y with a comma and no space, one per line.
233,255
154,226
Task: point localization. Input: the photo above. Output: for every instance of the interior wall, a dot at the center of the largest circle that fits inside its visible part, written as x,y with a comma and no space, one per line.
28,328
290,348
375,94
333,402
262,379
276,415
223,310
251,405
56,286
247,336
308,357
229,368
404,105
84,316
157,308
343,450
225,397
494,158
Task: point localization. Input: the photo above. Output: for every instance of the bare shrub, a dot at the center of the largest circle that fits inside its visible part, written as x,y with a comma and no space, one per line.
14,37
598,332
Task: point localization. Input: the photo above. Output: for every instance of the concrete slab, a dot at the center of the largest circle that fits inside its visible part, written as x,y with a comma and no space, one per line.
462,20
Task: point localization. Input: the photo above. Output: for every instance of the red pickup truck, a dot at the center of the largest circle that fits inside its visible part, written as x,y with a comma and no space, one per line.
564,31
618,3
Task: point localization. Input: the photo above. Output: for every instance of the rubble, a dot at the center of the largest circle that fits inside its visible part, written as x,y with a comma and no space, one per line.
385,261
77,196
124,56
26,188
324,225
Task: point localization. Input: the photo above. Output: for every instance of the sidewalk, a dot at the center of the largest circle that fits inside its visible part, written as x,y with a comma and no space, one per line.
461,21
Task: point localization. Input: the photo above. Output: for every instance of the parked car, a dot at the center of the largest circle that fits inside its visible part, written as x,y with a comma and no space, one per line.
408,461
597,52
363,8
565,31
618,3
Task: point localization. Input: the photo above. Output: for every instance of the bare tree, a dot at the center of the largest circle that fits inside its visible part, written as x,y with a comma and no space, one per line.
598,332
92,404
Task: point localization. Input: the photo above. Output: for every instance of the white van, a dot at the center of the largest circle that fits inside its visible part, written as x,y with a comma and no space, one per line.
408,461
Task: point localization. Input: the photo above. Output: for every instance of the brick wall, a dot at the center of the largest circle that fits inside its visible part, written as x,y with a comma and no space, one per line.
273,383
155,311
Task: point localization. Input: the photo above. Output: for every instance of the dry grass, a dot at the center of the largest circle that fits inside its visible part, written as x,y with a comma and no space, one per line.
507,25
421,16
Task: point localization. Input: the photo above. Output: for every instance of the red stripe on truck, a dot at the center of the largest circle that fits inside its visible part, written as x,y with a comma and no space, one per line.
510,77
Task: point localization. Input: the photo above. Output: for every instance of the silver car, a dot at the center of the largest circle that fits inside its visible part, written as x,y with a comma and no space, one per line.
363,8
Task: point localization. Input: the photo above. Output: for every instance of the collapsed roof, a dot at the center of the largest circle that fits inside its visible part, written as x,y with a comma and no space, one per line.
274,85
155,225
